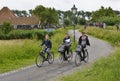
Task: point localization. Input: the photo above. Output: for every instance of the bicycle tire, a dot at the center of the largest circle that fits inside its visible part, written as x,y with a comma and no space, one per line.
78,59
39,60
86,56
61,58
51,58
70,56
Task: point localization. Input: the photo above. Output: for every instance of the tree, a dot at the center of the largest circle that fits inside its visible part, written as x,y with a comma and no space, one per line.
117,12
88,15
68,14
102,12
6,27
52,17
82,14
30,12
67,22
82,21
21,13
46,15
24,13
17,12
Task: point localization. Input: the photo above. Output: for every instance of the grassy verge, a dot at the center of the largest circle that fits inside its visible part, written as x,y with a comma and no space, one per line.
17,53
105,69
111,36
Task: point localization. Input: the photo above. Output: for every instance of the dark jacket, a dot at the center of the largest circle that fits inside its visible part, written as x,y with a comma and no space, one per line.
64,41
87,41
47,43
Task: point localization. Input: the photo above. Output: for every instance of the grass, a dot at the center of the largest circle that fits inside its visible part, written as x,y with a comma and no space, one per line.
105,69
111,36
15,54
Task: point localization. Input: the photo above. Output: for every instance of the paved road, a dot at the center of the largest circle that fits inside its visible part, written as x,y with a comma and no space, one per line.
97,50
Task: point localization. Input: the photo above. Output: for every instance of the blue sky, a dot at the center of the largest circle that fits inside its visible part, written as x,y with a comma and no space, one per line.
86,5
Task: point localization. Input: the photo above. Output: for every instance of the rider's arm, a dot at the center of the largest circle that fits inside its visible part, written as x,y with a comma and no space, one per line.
79,41
64,40
43,43
70,42
88,42
50,44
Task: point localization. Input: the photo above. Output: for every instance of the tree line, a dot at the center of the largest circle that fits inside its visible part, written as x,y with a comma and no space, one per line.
22,13
49,16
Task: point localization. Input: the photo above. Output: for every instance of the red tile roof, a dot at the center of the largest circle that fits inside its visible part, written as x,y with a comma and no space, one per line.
6,15
6,12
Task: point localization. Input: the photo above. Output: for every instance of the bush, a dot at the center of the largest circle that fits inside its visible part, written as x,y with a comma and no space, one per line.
67,22
25,34
82,21
6,27
110,20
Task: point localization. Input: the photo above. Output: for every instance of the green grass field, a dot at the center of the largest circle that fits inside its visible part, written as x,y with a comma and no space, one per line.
17,53
105,69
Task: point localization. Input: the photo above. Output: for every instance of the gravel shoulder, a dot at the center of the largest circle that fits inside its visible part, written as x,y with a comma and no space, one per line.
98,49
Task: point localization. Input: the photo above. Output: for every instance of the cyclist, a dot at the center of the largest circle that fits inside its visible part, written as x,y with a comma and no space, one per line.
67,42
48,44
83,41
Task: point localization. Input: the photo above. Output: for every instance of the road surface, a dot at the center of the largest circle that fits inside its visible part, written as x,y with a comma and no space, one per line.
48,72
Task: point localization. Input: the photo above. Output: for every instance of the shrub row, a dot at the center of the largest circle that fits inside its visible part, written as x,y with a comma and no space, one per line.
110,20
25,34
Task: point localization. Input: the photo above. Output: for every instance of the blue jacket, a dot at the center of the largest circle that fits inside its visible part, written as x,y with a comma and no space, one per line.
47,43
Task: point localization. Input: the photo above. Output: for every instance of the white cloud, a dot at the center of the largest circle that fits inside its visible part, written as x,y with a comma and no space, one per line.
87,5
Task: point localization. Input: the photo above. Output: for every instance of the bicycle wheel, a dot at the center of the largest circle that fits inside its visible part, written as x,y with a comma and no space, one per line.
51,58
70,56
78,59
61,58
39,60
86,58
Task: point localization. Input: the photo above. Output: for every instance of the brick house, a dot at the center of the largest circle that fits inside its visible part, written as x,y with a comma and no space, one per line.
6,15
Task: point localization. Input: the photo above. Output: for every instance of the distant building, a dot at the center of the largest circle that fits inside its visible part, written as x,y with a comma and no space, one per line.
6,15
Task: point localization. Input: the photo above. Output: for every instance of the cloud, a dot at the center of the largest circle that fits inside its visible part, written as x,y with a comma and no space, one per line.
86,5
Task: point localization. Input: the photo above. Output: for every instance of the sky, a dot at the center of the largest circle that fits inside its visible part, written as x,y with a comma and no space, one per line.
86,5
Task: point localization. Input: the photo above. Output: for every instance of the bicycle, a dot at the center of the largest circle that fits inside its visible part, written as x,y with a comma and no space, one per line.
61,50
41,58
79,55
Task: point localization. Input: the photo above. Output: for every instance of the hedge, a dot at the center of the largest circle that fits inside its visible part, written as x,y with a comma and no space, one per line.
25,34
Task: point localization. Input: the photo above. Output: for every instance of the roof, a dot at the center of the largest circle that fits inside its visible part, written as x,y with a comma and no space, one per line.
6,12
6,15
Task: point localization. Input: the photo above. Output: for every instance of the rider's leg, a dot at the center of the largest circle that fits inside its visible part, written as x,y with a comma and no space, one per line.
64,54
83,51
48,52
67,48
